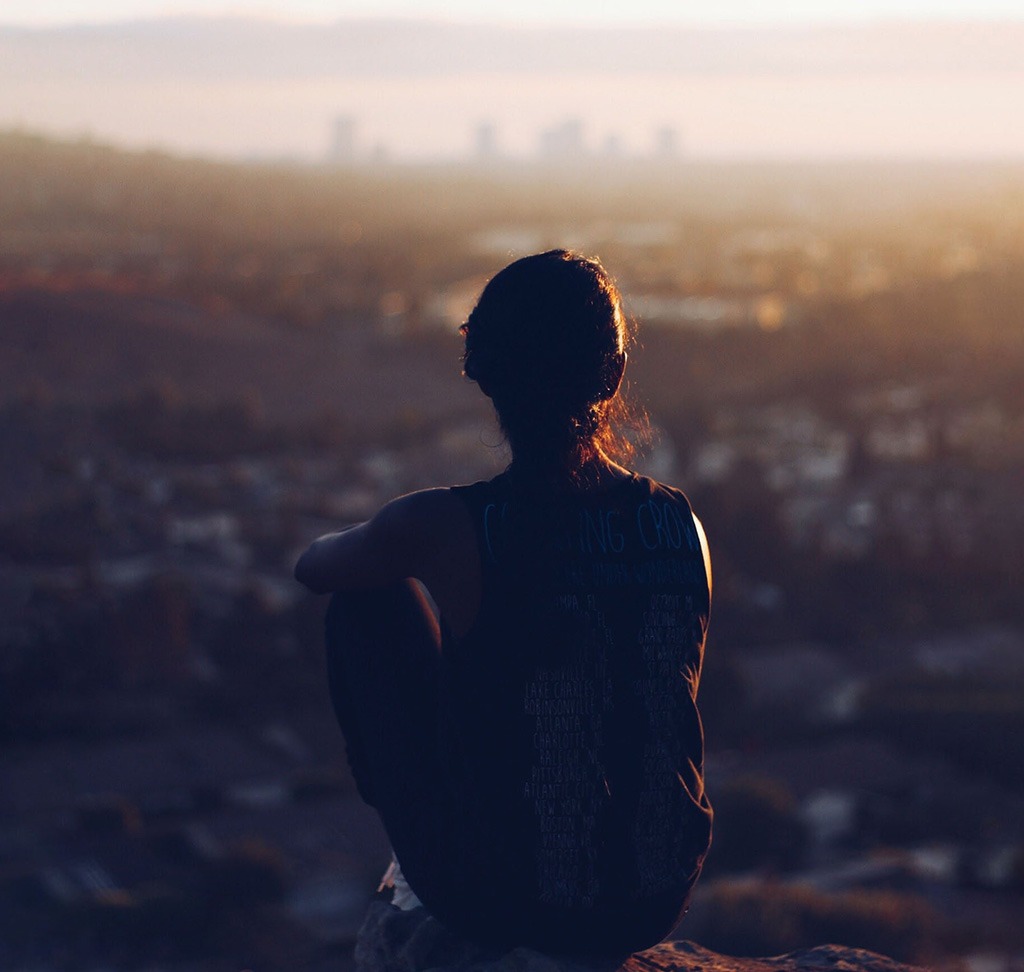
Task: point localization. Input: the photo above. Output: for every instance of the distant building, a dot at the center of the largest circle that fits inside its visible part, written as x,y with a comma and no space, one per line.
485,141
666,143
564,141
342,150
612,146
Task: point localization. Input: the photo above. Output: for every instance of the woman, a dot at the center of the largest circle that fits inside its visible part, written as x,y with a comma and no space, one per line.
535,753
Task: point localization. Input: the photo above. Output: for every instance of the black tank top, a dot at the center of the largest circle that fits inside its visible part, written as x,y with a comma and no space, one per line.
574,746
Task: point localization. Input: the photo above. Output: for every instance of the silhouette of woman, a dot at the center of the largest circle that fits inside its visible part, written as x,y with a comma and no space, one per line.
535,753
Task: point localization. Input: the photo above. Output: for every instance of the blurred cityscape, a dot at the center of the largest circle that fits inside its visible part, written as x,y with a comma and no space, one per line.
564,143
204,365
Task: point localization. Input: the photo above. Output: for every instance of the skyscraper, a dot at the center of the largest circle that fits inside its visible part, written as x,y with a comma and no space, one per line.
563,141
485,141
666,142
342,150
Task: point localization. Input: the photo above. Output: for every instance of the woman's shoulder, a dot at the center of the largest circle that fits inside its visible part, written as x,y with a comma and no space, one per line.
425,511
624,486
655,486
638,486
477,495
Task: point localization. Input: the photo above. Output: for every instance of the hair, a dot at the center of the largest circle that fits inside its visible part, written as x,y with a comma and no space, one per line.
547,342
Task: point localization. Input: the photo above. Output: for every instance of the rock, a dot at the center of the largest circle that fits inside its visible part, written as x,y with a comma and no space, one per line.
412,941
688,957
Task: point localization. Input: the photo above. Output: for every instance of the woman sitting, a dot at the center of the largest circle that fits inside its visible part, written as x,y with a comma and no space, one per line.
535,752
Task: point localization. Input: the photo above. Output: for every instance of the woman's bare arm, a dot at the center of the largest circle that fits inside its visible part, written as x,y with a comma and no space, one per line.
704,549
399,541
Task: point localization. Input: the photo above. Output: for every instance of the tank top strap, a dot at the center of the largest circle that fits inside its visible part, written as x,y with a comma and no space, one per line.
487,502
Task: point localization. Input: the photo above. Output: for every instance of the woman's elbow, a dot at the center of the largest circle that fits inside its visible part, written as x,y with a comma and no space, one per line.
334,562
309,573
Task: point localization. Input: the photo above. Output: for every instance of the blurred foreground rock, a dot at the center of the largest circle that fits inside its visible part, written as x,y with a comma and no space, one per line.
412,941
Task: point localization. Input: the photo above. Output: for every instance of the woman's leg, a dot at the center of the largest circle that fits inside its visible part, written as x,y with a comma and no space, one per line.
383,656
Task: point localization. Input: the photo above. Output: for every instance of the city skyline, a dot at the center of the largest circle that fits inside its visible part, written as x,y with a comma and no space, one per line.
567,140
249,89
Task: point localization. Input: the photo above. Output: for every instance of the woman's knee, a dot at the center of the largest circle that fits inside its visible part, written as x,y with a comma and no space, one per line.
382,674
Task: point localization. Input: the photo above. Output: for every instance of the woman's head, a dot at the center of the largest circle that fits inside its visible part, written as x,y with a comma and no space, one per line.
547,343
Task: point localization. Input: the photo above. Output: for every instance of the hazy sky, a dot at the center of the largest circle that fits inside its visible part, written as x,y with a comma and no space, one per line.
49,12
899,99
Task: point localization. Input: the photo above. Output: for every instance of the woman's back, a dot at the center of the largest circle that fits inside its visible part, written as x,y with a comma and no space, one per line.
573,746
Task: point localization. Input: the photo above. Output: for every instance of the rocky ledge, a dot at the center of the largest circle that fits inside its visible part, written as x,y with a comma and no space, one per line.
411,941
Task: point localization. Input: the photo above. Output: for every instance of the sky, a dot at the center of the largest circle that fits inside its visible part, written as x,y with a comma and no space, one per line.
54,12
941,111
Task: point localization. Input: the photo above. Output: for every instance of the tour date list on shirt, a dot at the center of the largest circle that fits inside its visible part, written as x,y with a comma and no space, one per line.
651,556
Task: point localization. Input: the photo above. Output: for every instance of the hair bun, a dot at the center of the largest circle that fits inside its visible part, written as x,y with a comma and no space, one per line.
547,338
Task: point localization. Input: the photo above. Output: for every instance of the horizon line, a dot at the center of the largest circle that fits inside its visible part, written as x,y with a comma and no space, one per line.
509,161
